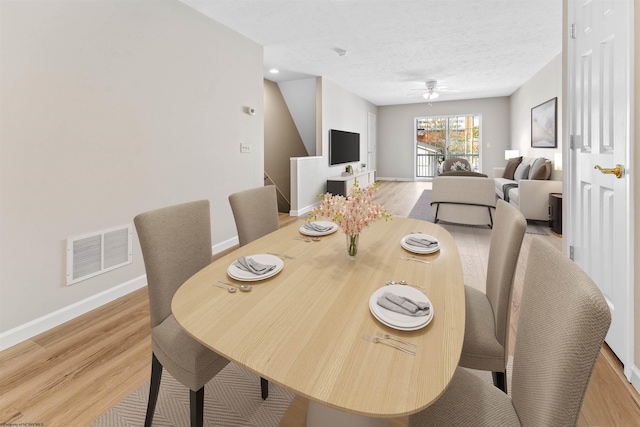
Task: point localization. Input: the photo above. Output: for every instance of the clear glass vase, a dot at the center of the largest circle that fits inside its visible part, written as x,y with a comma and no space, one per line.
352,245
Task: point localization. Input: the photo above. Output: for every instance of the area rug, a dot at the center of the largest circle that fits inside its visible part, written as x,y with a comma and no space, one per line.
537,227
232,398
422,210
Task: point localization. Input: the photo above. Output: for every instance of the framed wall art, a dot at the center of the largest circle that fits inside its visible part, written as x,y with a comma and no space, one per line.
544,120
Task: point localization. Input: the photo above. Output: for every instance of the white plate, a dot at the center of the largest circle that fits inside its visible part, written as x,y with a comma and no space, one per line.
397,320
399,328
238,274
307,232
419,249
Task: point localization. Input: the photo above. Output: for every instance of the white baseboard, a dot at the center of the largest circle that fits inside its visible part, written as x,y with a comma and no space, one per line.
304,210
635,377
222,246
42,324
384,178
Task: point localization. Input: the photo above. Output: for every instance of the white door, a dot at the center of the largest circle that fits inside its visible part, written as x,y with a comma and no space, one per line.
371,141
601,205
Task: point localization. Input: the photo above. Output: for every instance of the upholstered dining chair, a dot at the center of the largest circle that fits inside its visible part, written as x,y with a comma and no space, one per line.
563,322
255,212
176,243
486,332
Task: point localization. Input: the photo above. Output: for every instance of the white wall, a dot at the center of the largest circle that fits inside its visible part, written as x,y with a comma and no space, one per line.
281,141
543,86
344,110
340,109
396,128
110,109
300,96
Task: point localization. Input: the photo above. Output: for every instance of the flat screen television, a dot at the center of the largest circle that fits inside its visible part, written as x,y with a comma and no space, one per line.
344,147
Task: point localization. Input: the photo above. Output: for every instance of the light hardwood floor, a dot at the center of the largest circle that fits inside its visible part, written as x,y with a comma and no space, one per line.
70,375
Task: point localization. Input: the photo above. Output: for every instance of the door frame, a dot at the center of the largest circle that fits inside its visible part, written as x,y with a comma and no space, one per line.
372,130
571,168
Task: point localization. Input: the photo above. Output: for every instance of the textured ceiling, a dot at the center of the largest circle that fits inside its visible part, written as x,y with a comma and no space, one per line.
476,48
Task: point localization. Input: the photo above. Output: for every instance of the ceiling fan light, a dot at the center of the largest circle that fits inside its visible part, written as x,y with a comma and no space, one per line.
430,95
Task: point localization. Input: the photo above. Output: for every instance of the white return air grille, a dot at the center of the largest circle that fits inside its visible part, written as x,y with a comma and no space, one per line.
97,253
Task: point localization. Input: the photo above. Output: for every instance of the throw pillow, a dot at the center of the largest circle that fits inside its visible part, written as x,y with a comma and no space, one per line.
522,172
543,172
459,166
537,164
510,168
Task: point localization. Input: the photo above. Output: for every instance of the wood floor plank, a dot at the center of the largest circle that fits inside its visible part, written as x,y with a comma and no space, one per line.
607,402
80,368
74,352
70,375
15,360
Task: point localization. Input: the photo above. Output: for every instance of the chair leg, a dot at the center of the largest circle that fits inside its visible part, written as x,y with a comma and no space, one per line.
264,388
500,380
154,388
196,403
490,218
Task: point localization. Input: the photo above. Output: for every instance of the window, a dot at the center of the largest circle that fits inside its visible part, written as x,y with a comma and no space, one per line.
438,138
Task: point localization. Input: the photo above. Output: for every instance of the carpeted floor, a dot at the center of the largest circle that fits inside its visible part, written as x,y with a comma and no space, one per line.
422,210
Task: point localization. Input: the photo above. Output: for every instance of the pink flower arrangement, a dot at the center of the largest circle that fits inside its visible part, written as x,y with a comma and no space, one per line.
354,213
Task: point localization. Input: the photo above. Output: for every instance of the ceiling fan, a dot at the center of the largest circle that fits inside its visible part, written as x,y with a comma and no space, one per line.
431,93
432,90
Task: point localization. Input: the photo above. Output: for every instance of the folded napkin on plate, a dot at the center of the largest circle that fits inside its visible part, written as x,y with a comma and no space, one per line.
403,305
316,227
247,264
421,242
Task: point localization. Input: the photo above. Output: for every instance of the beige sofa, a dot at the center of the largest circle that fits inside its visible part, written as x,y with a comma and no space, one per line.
531,196
463,200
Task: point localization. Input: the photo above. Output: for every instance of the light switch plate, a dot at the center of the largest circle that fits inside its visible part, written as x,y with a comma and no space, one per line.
245,148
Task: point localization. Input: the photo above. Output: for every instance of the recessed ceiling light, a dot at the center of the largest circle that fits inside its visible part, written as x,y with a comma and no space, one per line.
274,71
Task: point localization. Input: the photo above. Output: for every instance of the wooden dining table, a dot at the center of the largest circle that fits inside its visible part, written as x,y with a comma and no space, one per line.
303,327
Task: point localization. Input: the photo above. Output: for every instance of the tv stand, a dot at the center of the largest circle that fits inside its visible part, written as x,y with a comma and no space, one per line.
340,185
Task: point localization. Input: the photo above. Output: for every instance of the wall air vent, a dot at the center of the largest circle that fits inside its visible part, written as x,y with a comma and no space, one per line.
97,253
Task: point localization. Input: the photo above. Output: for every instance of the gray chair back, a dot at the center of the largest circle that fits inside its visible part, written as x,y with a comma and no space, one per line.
506,241
255,212
562,323
176,244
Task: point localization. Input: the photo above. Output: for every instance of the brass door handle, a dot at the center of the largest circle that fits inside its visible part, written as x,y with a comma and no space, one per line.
617,171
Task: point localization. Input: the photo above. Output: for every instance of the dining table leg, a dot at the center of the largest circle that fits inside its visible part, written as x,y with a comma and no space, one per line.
319,415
